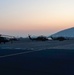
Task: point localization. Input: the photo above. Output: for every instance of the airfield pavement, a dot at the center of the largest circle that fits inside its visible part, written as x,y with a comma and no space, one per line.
37,58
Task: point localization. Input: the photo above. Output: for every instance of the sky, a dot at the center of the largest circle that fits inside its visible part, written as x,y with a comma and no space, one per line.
35,17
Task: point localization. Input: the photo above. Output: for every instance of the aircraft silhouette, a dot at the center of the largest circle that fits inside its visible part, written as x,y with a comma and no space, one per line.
39,38
58,38
4,39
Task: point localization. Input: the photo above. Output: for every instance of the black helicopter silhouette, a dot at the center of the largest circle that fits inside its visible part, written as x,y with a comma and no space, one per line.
39,38
58,38
5,39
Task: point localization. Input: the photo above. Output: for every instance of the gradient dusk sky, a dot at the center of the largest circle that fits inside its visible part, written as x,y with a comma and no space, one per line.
35,17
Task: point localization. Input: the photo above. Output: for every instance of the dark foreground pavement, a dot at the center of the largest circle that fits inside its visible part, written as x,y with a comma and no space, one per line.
47,62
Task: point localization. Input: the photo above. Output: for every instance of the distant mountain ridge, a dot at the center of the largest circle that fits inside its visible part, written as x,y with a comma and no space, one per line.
68,33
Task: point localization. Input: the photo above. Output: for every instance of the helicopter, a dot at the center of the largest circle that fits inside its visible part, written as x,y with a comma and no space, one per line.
6,38
39,38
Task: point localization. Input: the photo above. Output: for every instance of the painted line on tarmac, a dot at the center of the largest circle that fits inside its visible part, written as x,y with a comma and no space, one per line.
15,54
9,55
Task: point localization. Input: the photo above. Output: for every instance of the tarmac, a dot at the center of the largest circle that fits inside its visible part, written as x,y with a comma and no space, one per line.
37,58
43,62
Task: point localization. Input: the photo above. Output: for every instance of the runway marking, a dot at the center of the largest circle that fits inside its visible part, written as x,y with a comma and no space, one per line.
15,54
19,53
